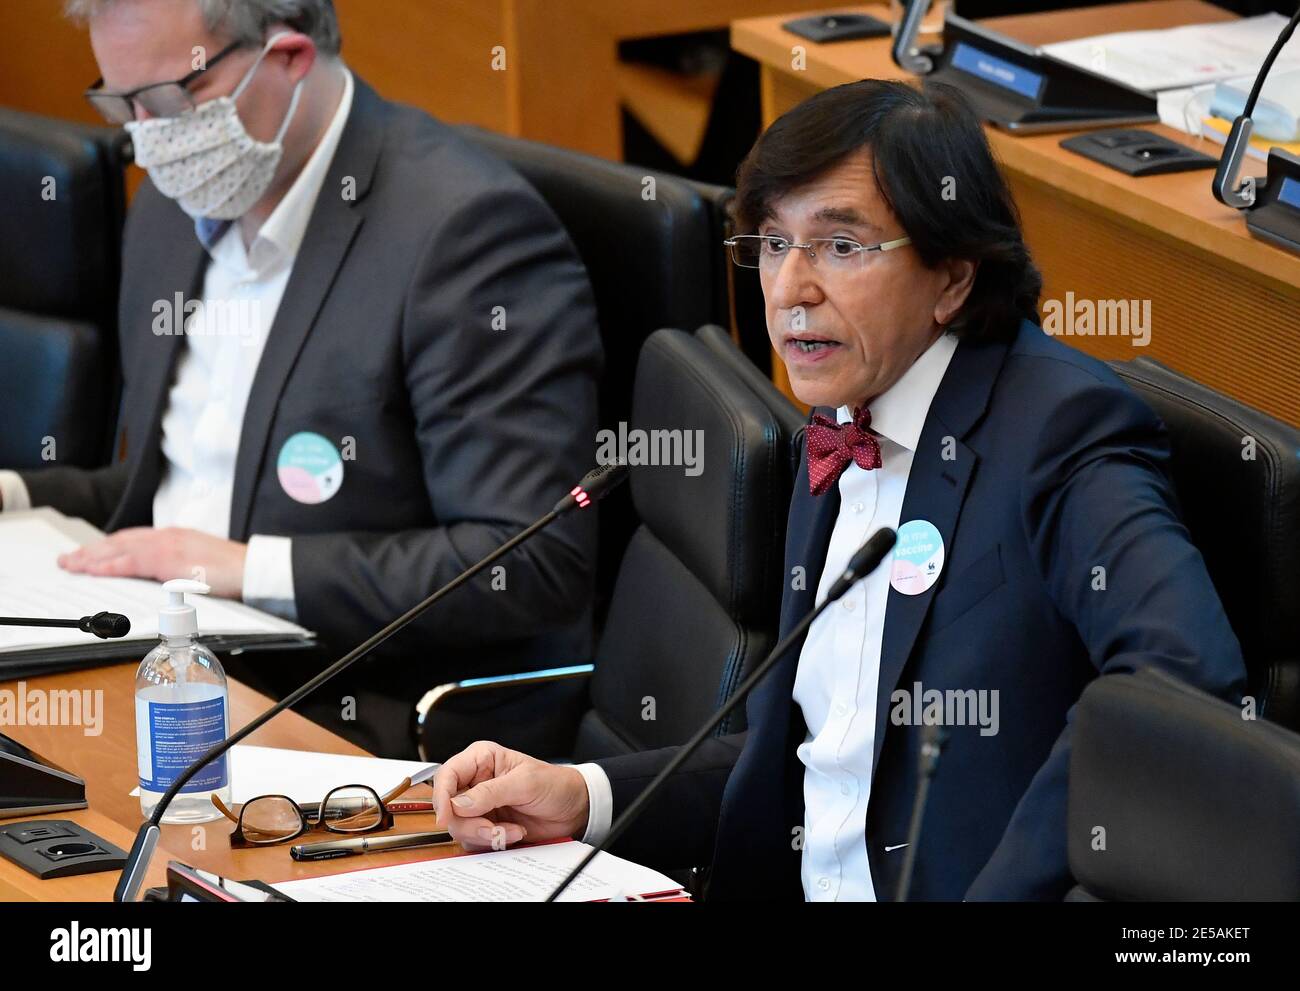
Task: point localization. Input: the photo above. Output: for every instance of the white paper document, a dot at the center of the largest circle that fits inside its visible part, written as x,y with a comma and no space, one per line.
1181,57
522,874
33,585
306,776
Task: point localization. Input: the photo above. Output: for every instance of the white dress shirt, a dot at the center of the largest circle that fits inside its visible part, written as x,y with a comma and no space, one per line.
837,680
204,416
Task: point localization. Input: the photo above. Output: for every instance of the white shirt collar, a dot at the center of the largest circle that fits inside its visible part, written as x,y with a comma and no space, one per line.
899,412
281,235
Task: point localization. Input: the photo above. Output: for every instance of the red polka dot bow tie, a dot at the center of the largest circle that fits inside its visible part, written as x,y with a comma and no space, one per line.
831,446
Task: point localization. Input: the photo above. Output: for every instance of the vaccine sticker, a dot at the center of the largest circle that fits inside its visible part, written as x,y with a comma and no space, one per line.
309,468
918,558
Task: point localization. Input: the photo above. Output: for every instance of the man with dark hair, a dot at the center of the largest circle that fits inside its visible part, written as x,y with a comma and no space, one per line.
358,355
1039,545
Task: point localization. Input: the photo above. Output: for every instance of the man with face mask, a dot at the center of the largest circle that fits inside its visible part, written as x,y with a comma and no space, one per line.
358,355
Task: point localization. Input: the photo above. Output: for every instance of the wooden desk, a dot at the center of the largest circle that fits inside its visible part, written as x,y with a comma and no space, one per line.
108,765
1225,307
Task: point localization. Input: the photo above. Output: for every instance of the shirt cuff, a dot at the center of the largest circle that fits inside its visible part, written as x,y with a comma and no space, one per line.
600,802
13,490
268,576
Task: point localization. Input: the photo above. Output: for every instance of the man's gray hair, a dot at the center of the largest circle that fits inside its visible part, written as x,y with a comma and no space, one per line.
246,21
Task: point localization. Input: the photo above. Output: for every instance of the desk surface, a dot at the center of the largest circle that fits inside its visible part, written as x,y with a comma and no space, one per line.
1201,264
108,764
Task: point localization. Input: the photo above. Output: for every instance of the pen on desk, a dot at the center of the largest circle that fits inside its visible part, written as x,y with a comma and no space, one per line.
366,844
413,805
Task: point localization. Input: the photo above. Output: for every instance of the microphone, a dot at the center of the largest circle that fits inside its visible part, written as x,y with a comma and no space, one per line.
907,54
932,740
865,561
105,625
1267,217
594,486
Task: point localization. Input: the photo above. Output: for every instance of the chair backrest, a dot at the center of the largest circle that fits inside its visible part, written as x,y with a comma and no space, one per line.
1175,797
60,260
651,246
1236,472
697,598
56,381
717,340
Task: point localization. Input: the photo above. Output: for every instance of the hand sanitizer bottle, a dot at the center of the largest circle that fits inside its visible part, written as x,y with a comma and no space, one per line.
181,711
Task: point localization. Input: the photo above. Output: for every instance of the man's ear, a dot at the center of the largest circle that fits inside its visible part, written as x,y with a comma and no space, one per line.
300,54
961,279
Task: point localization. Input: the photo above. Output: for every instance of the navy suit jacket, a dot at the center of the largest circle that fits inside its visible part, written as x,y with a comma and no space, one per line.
1065,560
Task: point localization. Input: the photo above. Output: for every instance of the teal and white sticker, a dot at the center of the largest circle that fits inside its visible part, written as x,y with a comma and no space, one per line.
309,468
918,558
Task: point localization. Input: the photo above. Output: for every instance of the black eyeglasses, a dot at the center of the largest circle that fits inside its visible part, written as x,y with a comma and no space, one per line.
157,99
271,819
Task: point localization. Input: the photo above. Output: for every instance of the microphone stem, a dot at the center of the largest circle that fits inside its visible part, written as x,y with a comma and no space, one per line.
74,624
687,749
343,662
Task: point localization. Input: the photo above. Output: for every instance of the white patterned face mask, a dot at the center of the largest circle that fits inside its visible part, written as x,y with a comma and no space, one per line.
206,160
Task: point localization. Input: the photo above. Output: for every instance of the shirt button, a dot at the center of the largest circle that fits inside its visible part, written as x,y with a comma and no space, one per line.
858,507
844,788
824,884
848,605
840,708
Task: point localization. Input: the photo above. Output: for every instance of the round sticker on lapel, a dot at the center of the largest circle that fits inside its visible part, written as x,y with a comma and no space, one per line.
309,468
918,558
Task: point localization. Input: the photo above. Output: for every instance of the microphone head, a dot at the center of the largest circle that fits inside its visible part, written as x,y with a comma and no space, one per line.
107,625
866,560
595,485
870,554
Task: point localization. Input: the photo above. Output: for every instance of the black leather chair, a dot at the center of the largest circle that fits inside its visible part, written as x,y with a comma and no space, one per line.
1237,476
696,600
653,263
717,340
60,248
1175,797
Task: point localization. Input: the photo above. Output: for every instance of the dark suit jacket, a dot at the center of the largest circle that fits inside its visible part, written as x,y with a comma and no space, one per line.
463,434
1058,469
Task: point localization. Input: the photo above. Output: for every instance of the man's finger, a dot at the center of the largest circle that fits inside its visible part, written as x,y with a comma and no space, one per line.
457,773
515,787
122,566
484,833
100,550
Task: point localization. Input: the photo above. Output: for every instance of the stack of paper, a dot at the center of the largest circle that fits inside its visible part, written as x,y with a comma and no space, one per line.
307,776
33,585
521,874
1182,57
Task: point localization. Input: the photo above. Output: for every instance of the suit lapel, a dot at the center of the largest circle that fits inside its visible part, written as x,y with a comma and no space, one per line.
808,535
333,226
936,489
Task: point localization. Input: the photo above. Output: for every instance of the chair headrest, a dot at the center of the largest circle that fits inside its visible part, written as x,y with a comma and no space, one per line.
1174,796
651,243
719,493
60,239
717,340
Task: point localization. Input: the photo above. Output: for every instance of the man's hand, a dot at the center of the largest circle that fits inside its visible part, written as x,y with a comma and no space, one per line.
145,552
488,796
